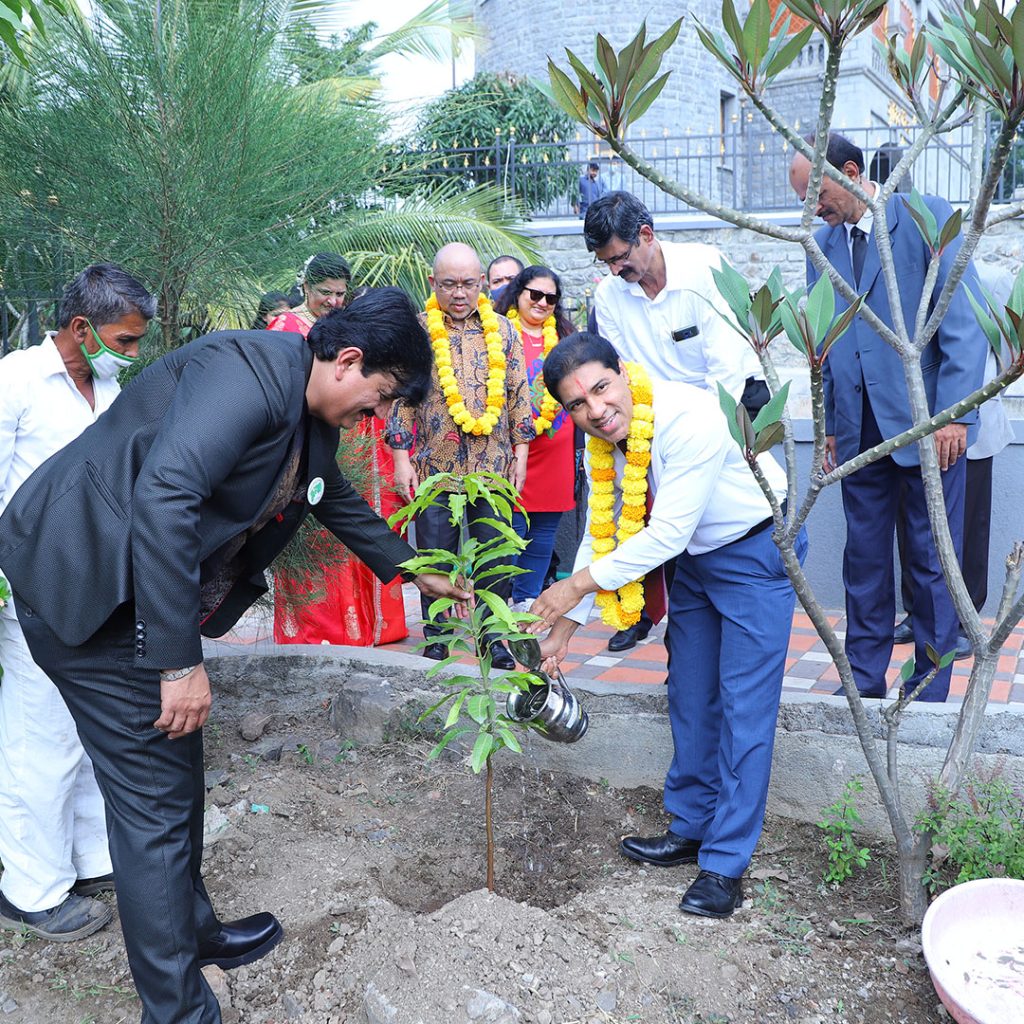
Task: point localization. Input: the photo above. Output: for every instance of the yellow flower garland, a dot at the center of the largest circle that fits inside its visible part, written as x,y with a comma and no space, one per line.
548,406
441,344
621,608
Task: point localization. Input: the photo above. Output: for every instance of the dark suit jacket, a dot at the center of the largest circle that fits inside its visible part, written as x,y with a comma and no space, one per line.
185,459
952,363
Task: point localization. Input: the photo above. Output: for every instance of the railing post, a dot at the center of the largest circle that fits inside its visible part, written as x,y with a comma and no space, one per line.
512,159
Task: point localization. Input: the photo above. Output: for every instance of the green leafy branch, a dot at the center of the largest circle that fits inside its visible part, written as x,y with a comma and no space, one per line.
474,706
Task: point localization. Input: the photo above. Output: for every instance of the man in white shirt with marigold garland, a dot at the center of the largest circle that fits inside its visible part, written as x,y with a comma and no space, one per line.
659,306
731,605
53,833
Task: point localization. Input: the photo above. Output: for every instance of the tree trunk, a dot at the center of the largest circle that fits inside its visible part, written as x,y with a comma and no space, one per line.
912,861
488,790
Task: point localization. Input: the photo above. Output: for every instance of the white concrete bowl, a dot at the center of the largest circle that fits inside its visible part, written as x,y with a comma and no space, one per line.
973,939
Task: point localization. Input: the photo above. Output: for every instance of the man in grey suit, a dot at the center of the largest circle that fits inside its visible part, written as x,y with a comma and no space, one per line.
154,528
866,401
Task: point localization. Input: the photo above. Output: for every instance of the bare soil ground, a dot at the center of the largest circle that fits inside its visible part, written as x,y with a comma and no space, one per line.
373,859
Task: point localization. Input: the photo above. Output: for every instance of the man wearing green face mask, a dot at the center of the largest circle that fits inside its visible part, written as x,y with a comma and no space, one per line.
53,839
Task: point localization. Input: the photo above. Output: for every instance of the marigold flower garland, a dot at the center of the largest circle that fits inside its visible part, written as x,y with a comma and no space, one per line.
621,608
548,406
440,343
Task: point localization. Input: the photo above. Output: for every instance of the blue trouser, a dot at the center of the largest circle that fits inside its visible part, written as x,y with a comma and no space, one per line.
731,612
871,499
540,543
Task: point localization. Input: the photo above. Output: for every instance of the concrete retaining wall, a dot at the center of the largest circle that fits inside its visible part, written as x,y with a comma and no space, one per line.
376,695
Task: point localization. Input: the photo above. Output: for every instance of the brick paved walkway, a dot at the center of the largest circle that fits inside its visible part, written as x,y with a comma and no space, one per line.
809,667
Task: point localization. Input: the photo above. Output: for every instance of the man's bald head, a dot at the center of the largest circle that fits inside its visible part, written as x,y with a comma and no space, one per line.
457,279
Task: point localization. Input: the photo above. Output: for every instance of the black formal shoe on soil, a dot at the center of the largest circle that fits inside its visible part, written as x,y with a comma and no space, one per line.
435,652
241,942
664,851
712,895
75,918
627,638
500,657
904,632
93,886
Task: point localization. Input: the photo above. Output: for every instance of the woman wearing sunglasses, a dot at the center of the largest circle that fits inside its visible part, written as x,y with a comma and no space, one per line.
533,302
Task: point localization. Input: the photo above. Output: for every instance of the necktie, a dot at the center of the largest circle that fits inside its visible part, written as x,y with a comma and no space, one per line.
860,250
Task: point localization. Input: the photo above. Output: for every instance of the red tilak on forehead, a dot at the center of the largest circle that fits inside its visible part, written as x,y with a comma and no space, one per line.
578,384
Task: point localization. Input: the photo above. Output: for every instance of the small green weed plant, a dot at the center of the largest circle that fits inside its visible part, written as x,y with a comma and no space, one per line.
5,596
977,834
838,823
474,706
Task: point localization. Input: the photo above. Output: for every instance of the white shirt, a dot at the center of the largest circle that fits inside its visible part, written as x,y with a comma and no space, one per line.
705,495
641,328
41,411
866,222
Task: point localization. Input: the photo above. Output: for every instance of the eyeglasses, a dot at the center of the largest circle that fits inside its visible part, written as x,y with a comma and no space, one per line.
451,287
537,296
615,260
328,293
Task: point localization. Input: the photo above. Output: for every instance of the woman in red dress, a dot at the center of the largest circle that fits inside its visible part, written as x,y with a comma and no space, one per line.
533,302
351,606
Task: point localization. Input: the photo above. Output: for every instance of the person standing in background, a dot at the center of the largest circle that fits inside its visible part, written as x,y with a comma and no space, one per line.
53,835
533,302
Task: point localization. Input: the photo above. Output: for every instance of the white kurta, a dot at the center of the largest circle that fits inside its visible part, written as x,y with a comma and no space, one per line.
705,495
52,825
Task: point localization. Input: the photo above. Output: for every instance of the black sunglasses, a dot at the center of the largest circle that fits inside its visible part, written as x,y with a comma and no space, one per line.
536,294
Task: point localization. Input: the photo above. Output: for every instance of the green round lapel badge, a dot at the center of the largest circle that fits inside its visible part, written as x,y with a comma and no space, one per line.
315,491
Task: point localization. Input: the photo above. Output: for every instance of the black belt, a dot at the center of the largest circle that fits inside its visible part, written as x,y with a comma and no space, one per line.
759,527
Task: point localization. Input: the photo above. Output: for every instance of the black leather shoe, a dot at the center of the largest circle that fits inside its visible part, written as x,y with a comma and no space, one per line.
500,657
627,638
664,851
963,648
712,895
241,942
904,632
435,652
93,886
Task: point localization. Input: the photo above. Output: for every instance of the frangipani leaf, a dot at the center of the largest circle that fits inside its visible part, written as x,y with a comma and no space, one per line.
728,406
773,408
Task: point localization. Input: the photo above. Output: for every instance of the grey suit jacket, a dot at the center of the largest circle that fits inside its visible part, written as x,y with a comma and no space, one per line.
185,460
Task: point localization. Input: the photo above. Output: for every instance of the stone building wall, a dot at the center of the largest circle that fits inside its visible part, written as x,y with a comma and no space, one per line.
521,33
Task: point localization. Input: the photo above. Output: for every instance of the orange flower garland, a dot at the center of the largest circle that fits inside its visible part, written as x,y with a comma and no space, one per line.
621,608
548,406
441,344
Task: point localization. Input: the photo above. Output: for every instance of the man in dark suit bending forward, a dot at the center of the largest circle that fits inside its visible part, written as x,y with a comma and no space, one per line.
153,529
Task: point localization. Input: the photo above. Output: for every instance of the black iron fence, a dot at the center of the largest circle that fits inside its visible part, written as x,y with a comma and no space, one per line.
743,166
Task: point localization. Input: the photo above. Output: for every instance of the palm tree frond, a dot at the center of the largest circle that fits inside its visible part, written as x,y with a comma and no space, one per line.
433,33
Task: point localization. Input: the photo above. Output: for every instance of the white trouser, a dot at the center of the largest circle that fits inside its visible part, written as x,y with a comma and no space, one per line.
52,825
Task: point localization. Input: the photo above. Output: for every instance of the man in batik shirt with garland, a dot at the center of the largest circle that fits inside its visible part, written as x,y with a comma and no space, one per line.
476,418
731,607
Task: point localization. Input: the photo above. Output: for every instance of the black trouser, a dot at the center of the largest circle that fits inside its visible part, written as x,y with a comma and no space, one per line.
154,793
977,531
433,530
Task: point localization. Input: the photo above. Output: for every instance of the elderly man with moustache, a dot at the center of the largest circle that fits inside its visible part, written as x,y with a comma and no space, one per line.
53,836
480,420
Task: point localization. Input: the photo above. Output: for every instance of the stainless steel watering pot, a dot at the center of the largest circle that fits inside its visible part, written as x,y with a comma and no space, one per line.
548,702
